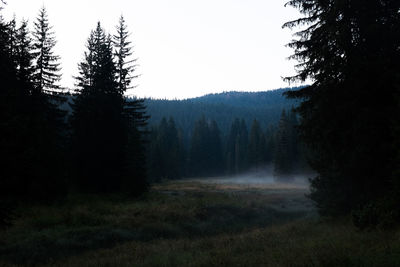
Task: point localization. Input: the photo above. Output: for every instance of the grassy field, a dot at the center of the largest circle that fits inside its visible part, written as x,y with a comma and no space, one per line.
192,223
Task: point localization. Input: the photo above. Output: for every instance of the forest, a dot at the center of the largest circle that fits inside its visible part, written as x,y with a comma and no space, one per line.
297,176
205,149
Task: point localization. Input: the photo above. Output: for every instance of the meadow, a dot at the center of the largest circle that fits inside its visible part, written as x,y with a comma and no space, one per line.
207,222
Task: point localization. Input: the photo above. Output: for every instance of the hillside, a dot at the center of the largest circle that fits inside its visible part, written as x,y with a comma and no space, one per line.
224,107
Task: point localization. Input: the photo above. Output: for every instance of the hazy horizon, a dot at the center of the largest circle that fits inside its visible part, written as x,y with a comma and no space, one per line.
184,48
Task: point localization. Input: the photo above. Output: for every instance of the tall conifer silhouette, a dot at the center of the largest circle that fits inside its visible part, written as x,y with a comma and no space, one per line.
47,66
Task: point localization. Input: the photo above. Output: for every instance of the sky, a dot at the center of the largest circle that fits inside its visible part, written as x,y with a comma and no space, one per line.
185,48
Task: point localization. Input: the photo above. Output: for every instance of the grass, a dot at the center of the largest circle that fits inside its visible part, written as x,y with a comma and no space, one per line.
189,223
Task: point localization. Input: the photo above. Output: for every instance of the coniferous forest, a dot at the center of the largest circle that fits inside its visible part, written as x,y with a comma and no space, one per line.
96,147
92,177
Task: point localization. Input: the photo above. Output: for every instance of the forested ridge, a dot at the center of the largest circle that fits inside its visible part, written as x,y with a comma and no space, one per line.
224,107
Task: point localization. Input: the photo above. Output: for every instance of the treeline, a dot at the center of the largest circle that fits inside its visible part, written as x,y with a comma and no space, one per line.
45,155
266,107
241,150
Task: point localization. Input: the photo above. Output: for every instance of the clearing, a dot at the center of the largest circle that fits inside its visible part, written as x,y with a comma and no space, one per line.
196,222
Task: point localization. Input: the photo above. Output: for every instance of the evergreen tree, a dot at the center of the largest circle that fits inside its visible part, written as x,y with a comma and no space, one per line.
154,156
257,146
24,55
136,124
47,67
134,109
242,142
11,43
38,73
32,125
206,150
283,165
236,148
123,53
107,130
214,145
166,158
350,51
232,147
270,143
198,156
96,121
293,137
7,117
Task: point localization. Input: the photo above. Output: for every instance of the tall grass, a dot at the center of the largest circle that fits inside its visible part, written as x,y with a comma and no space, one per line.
190,224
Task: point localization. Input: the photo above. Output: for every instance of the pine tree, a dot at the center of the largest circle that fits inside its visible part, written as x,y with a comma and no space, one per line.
47,67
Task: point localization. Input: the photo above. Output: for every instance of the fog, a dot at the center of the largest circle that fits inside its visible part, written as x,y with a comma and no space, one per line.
262,177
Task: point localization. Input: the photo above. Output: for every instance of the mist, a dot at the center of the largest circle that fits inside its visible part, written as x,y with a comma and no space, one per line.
262,177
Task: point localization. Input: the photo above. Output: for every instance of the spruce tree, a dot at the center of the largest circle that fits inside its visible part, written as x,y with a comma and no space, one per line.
47,66
96,116
134,109
123,54
24,56
11,43
107,129
349,50
32,125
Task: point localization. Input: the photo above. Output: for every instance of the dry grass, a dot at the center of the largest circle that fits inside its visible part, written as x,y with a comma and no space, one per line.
192,223
299,243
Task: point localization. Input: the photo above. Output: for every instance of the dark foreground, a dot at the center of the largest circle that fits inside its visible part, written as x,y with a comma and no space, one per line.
192,223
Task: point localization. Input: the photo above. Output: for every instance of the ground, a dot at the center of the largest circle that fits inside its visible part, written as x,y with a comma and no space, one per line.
198,222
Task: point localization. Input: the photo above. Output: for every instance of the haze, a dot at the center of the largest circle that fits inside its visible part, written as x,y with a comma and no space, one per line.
185,48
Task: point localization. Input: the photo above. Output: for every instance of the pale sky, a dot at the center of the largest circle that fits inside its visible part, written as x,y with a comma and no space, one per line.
185,48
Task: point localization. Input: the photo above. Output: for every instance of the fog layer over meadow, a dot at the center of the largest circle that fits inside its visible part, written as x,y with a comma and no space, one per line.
261,176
